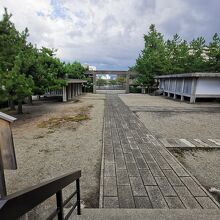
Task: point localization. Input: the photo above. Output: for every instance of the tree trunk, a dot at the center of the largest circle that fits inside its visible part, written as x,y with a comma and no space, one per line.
30,101
12,104
19,110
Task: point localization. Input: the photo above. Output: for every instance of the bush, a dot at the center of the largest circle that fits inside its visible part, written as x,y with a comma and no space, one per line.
134,89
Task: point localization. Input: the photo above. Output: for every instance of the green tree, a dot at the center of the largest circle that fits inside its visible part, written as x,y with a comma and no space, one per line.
152,60
25,70
9,42
112,82
197,54
120,80
75,70
101,82
214,54
177,54
51,69
14,85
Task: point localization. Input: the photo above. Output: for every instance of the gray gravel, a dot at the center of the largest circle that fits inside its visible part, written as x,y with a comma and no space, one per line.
44,153
176,124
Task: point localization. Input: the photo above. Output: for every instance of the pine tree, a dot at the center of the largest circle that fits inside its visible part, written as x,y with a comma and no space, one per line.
152,60
197,55
214,54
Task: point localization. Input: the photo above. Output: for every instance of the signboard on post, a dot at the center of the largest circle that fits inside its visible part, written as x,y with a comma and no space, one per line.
7,152
6,142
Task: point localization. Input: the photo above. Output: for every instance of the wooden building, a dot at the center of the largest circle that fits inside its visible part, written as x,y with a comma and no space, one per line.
192,85
69,92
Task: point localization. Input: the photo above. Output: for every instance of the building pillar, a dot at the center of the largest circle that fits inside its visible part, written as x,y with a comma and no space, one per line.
193,91
174,94
81,89
168,94
127,82
182,90
94,83
74,93
76,90
64,94
73,90
69,91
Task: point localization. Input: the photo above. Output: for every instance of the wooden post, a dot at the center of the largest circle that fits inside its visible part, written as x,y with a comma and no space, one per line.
3,191
7,152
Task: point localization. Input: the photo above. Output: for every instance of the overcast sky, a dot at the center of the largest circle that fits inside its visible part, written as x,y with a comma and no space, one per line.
109,33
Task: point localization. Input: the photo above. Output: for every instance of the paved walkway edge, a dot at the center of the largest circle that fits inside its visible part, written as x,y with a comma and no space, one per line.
101,189
193,177
155,142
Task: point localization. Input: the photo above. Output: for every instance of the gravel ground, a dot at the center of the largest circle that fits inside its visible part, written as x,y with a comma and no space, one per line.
182,125
203,164
44,153
176,124
161,101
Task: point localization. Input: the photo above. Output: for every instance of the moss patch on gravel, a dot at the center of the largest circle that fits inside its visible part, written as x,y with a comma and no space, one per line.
58,121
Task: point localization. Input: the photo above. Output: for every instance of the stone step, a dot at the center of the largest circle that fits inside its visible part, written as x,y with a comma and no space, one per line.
190,143
148,214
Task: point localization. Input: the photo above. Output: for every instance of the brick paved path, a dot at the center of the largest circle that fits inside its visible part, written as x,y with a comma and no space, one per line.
138,172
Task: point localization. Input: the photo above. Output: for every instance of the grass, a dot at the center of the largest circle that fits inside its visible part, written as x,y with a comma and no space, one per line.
58,121
39,137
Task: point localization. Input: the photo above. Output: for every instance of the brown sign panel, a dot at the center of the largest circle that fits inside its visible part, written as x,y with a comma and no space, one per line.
7,146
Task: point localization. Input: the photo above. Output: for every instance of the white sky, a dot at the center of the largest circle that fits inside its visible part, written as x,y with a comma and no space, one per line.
109,33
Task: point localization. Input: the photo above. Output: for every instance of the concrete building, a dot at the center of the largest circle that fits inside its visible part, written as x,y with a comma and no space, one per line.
192,85
69,92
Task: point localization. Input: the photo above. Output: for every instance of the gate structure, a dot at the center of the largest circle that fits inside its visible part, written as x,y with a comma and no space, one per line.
122,73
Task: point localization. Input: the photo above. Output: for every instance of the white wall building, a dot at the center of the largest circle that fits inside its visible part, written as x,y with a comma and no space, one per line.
193,85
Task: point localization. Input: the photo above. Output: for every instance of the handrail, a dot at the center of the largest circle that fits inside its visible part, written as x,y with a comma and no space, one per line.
17,204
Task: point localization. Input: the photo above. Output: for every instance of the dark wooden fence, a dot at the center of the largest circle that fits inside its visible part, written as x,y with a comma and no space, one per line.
18,204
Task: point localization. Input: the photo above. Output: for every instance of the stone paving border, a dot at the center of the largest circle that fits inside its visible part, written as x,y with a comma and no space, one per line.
138,171
190,143
174,109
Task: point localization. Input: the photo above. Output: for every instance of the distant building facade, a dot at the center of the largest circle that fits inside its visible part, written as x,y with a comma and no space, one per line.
192,85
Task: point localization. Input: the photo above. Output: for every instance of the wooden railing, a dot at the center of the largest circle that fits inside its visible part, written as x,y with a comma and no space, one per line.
18,204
